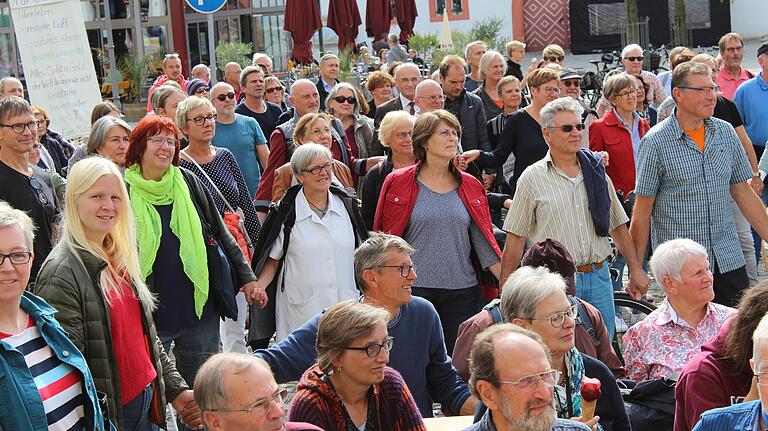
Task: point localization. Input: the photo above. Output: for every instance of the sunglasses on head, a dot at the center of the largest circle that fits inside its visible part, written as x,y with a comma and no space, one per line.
554,59
223,97
640,58
341,99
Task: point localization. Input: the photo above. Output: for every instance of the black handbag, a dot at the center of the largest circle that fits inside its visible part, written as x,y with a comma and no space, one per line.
651,405
221,276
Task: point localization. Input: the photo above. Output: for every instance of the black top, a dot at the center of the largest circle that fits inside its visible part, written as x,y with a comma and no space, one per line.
372,189
514,69
522,137
33,195
371,110
491,108
726,110
267,119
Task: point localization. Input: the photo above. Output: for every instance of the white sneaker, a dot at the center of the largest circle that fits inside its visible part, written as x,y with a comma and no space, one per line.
621,325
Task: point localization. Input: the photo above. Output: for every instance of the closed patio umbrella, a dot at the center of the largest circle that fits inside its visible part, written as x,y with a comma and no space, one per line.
446,40
406,18
378,16
344,19
302,19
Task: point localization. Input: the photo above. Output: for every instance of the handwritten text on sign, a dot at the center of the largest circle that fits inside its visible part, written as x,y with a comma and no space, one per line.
57,61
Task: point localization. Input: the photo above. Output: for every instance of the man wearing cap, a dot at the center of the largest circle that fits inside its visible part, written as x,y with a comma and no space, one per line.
552,254
687,168
570,86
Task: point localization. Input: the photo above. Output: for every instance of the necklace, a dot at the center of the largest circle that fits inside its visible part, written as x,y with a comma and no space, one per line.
319,211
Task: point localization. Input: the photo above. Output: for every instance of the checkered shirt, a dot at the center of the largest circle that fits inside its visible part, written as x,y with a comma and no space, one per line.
692,189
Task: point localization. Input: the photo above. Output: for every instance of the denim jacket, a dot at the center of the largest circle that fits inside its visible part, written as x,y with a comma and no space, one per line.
22,408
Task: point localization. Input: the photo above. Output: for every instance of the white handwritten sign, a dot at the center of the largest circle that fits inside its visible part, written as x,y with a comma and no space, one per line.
57,62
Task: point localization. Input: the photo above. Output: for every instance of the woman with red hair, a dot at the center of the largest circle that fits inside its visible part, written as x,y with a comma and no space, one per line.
178,228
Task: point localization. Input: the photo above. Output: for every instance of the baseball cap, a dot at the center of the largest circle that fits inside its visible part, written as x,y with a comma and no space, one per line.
569,74
763,49
552,254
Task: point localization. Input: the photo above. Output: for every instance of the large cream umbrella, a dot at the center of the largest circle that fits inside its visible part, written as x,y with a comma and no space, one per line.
446,40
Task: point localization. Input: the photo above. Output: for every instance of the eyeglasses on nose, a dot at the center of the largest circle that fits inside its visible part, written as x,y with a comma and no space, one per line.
159,141
273,89
703,90
558,319
640,58
572,83
449,133
328,167
568,128
403,135
18,128
373,350
202,90
554,59
552,90
16,258
200,121
223,97
261,407
405,270
528,383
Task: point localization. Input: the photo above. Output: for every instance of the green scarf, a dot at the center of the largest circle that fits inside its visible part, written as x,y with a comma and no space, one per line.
185,224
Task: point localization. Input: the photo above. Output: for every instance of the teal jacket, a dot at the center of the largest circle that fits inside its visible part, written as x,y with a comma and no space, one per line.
21,408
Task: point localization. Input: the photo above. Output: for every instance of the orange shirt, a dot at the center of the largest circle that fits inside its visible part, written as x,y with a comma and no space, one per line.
698,137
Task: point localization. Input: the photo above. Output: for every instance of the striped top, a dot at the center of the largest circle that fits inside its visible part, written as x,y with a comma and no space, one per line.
60,385
549,204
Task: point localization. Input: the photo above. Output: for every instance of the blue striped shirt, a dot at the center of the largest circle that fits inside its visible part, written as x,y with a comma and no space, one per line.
738,417
692,188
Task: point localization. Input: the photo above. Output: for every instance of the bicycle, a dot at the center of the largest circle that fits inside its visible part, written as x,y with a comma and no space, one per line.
629,311
658,59
592,82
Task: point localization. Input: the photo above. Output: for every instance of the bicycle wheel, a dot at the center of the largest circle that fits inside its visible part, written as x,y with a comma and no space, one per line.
629,312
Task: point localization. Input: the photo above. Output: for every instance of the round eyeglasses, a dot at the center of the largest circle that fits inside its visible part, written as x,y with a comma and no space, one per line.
558,319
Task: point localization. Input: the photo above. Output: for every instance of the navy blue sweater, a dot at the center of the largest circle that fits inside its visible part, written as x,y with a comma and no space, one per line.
418,354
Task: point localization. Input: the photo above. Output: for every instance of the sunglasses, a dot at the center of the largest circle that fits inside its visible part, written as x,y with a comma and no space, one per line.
202,90
273,89
40,194
554,59
640,58
572,83
568,128
223,97
341,99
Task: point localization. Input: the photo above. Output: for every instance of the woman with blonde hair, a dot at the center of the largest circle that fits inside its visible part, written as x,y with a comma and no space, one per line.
93,278
492,69
314,128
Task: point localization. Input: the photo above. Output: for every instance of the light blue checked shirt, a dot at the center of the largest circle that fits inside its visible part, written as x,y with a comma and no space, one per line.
692,189
486,424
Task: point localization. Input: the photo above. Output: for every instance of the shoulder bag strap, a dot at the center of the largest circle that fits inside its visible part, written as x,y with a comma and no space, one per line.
205,174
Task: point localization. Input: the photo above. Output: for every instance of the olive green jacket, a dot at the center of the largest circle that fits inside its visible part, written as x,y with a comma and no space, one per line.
69,281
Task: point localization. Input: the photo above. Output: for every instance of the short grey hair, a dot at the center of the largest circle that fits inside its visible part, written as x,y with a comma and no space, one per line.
486,60
200,67
669,257
758,337
563,104
305,153
10,216
12,106
393,37
259,56
161,95
328,57
631,47
509,79
100,131
247,71
341,324
211,393
526,288
471,45
186,106
7,79
391,121
372,253
615,83
335,92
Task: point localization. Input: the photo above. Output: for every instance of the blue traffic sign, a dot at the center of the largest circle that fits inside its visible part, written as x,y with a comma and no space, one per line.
206,6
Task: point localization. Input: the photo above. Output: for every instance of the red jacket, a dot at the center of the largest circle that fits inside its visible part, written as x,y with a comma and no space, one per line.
607,134
398,197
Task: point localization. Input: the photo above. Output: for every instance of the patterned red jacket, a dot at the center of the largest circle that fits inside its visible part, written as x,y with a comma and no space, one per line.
316,402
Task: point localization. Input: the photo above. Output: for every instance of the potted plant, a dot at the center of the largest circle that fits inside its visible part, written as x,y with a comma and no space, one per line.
135,69
347,60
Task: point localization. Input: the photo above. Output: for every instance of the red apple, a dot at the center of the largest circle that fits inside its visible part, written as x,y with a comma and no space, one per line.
590,389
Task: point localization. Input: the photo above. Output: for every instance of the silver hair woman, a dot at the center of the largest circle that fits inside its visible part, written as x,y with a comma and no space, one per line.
492,70
347,104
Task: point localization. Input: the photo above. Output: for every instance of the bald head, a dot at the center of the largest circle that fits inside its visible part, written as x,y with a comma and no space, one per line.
10,86
201,72
429,96
232,74
304,97
407,76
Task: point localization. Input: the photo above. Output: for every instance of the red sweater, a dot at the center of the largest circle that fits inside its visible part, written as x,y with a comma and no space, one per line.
129,342
607,134
398,197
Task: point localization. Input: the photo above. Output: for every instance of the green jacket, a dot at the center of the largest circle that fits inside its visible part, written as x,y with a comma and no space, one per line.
69,281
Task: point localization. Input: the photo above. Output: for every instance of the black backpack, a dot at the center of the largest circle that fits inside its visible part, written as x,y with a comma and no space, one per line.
281,217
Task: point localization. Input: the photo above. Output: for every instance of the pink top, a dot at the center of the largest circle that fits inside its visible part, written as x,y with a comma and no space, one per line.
728,84
660,345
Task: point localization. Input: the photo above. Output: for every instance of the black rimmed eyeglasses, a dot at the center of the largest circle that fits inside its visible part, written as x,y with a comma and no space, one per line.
16,258
405,270
373,350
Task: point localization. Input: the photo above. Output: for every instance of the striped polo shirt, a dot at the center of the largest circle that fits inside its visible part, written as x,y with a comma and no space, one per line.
59,384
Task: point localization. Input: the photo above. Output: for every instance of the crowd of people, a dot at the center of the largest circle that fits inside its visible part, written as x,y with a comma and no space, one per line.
243,235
